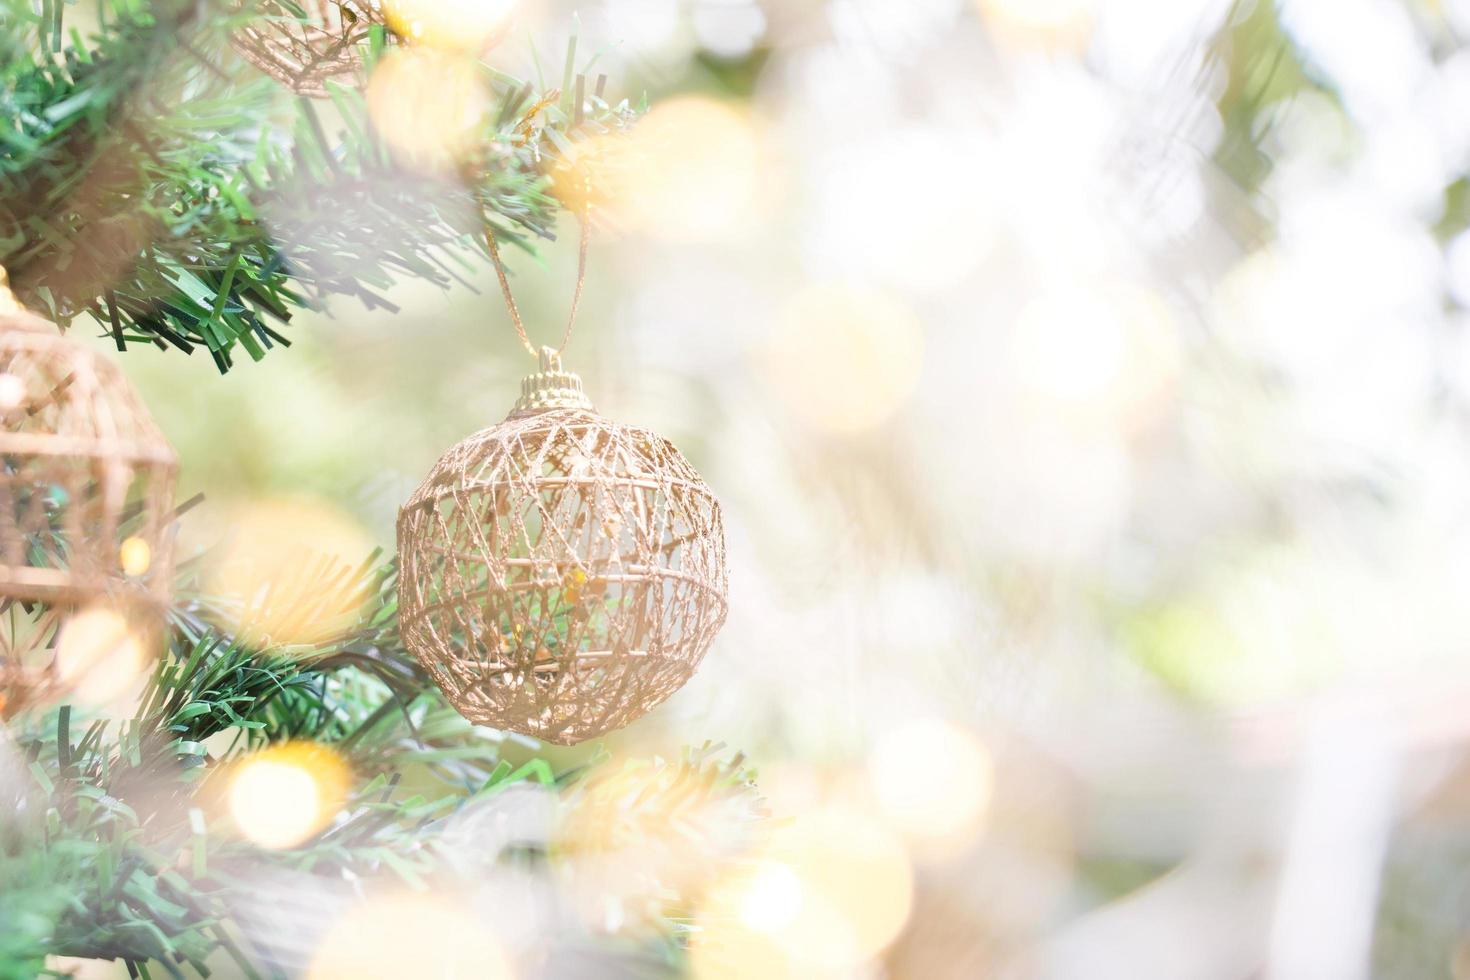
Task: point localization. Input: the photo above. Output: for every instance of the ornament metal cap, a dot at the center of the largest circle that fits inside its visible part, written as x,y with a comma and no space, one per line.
550,388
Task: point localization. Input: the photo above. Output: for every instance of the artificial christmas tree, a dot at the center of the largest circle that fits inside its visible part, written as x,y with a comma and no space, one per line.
153,182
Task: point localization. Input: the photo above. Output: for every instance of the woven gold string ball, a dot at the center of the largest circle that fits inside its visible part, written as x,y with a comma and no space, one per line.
86,492
560,574
86,498
303,54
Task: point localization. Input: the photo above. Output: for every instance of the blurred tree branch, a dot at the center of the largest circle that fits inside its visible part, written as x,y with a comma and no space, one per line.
113,842
152,179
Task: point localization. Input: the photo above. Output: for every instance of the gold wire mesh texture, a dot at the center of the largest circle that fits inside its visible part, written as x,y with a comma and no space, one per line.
86,497
304,54
561,574
87,482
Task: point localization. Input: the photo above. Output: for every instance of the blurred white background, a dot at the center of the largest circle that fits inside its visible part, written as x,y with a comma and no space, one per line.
1086,386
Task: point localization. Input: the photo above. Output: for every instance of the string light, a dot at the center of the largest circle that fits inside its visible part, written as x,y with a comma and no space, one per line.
283,794
690,171
12,391
832,891
933,781
135,556
428,106
773,898
469,26
98,655
279,574
694,172
1097,355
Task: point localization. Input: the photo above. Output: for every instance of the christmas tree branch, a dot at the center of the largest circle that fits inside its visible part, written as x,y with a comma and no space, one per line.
150,179
115,842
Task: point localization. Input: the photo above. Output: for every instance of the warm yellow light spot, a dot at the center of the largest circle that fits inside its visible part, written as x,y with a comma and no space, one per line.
857,885
729,949
933,781
1097,356
619,861
833,891
772,899
428,105
402,935
12,391
471,26
282,795
571,586
1061,24
283,576
690,171
99,657
593,176
135,557
844,360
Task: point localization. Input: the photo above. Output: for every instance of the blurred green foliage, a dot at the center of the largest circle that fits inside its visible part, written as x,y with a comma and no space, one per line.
151,179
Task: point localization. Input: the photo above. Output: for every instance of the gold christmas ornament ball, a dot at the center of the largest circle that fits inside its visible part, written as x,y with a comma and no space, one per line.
86,492
468,26
86,499
560,574
305,53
